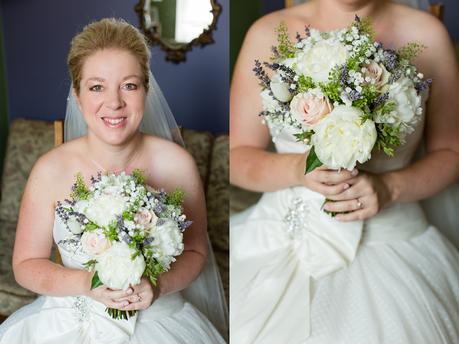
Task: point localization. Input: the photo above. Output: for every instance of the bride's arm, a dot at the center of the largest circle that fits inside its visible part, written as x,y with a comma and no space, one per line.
175,168
32,266
440,167
251,165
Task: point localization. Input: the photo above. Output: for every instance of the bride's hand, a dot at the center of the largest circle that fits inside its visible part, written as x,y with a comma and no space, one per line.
367,195
109,297
143,295
326,182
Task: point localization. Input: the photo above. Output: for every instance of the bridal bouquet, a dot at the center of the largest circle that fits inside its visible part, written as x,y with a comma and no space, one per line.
342,93
127,228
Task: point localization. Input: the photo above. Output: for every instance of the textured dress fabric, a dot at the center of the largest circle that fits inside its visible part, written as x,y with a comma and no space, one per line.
300,276
82,320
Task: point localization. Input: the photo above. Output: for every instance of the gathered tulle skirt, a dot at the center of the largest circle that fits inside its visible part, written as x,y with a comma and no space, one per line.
79,320
338,284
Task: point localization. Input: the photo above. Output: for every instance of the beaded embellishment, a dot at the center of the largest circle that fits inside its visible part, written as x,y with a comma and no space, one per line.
81,308
297,218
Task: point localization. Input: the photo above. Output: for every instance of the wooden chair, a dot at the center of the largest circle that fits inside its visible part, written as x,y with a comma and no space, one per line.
435,9
58,140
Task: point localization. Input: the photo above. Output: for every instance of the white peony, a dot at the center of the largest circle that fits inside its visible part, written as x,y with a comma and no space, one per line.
341,139
408,101
167,243
104,208
280,88
318,61
117,270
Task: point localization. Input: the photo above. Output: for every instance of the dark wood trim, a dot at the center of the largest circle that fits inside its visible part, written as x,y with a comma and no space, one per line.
178,54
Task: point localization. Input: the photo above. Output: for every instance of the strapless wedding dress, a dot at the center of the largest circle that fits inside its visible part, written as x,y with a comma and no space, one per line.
300,276
81,320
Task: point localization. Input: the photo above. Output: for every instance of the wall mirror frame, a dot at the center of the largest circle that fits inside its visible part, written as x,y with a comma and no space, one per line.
175,51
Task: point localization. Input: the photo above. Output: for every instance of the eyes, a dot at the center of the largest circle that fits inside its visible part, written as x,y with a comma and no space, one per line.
130,86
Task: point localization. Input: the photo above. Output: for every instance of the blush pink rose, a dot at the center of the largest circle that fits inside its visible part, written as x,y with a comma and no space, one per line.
310,108
95,243
378,73
145,217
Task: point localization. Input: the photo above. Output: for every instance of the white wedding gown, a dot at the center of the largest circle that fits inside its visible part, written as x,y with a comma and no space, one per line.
300,276
81,320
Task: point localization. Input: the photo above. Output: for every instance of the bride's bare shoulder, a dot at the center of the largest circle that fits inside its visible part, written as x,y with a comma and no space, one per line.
56,163
263,31
411,25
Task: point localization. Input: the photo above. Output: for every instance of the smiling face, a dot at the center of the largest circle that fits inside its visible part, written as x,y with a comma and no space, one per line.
112,95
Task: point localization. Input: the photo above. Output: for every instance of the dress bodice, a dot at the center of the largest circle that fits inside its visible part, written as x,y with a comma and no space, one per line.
70,250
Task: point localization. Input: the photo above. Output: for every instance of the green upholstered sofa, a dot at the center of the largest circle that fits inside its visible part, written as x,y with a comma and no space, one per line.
28,139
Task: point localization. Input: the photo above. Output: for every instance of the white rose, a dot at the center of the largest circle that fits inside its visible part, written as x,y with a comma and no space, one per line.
269,103
117,270
404,94
95,243
103,209
318,61
310,108
341,139
167,243
280,88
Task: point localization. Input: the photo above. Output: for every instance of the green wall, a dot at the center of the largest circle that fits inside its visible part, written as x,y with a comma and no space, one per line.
3,99
242,14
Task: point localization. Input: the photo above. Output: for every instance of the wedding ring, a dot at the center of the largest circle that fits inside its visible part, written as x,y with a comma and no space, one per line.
139,298
359,204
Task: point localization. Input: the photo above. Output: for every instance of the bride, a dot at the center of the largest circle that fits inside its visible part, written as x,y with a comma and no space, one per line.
377,273
116,94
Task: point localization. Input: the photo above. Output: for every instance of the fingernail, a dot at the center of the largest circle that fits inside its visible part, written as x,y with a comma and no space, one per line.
355,172
125,304
346,186
129,291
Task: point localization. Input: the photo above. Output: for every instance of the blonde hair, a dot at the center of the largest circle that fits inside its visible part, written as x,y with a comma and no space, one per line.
103,34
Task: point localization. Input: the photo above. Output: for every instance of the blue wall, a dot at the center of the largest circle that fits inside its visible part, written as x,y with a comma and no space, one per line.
37,35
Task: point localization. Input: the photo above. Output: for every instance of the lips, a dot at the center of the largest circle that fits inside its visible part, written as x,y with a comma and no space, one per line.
114,122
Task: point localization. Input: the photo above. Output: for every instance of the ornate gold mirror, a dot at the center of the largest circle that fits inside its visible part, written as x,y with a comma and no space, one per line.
178,25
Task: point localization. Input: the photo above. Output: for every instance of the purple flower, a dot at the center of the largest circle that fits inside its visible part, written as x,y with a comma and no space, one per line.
184,225
390,59
148,241
422,85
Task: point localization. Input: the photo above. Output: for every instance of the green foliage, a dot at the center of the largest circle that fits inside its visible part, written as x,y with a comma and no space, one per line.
95,282
410,51
153,269
305,83
79,190
119,314
112,233
176,197
90,264
138,176
285,47
91,226
365,26
388,138
312,161
304,136
127,215
369,94
331,90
